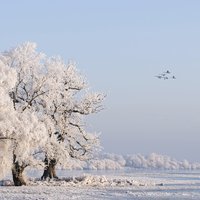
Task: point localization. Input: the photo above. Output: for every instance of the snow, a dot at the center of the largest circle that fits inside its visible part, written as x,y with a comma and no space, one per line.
120,184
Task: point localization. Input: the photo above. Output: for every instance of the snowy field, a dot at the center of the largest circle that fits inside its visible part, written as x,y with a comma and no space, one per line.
118,184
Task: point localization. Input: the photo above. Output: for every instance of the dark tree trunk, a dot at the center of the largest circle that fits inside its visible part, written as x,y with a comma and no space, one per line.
17,173
50,169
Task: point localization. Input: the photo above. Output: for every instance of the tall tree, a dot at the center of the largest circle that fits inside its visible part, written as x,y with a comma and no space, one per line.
22,133
57,95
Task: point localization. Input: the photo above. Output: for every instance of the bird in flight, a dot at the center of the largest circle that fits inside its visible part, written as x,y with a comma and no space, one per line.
159,76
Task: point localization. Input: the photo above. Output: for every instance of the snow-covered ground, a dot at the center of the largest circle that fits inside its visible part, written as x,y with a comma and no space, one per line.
118,184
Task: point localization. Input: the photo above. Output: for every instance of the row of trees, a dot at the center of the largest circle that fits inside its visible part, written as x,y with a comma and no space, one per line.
43,102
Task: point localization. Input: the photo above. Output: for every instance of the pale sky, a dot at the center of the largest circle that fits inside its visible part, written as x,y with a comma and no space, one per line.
120,45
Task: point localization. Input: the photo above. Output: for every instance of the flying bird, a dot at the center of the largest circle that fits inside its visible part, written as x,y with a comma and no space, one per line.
159,76
167,72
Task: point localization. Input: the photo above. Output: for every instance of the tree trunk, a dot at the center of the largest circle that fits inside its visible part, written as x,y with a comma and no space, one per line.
50,169
17,173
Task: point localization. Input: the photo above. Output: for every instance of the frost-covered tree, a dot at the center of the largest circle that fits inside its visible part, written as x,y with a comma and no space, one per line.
21,133
49,99
70,101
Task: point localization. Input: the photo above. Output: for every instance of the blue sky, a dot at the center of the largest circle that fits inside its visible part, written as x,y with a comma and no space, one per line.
120,46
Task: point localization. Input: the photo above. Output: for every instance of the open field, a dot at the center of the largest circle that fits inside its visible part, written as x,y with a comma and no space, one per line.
122,184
